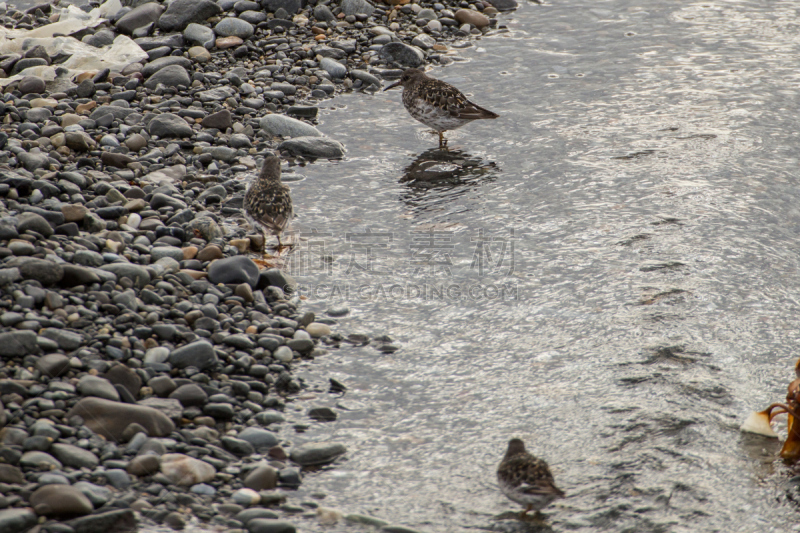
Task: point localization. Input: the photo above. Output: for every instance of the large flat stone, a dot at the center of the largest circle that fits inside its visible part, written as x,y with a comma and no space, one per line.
110,419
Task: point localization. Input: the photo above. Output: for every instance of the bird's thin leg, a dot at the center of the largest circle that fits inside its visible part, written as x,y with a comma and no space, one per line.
263,245
524,513
441,140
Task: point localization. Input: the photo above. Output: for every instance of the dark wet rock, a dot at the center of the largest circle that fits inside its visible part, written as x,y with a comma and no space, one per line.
39,460
139,17
265,525
220,120
162,386
181,13
262,477
60,500
324,414
119,113
120,374
283,126
190,395
200,35
503,5
235,270
34,222
53,365
290,6
25,63
66,340
171,41
249,514
199,354
314,147
44,271
144,465
261,439
74,456
234,27
162,62
403,54
31,84
237,446
17,520
110,419
33,161
323,13
135,273
169,76
105,522
78,275
116,160
316,453
357,7
97,386
10,474
167,124
18,343
222,411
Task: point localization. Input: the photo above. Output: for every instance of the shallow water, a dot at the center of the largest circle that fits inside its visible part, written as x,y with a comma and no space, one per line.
608,271
637,200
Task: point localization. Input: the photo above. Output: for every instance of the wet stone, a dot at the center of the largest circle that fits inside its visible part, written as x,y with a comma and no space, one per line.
316,453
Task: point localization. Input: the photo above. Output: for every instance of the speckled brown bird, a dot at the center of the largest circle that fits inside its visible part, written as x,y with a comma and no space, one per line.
525,479
437,104
268,202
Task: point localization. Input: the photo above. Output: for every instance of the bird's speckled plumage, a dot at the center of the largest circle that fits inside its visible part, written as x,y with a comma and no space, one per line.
268,202
436,103
525,479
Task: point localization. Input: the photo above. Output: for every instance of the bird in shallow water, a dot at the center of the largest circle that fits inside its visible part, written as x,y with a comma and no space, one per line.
437,104
268,202
526,480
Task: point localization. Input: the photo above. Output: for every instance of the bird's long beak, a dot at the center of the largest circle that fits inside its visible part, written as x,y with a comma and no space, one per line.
392,86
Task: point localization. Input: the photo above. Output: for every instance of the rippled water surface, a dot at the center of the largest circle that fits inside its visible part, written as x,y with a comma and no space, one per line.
637,201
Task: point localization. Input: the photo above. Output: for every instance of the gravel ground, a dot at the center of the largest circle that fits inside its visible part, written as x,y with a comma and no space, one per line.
146,356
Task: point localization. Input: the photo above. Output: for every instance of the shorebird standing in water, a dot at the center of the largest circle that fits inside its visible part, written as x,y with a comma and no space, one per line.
437,104
526,480
268,202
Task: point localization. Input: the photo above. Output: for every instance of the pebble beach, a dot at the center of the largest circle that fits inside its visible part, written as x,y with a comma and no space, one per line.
147,350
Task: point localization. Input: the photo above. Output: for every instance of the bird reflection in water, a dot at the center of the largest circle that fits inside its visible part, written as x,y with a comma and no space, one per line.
438,175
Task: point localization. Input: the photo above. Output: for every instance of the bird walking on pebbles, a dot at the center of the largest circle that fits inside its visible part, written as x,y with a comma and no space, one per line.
437,104
268,201
526,480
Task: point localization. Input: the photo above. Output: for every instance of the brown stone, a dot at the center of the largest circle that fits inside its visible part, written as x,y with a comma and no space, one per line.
190,252
209,253
135,205
79,141
73,212
469,16
85,76
60,500
228,42
109,418
11,474
122,375
144,465
116,160
262,477
184,470
83,109
195,274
